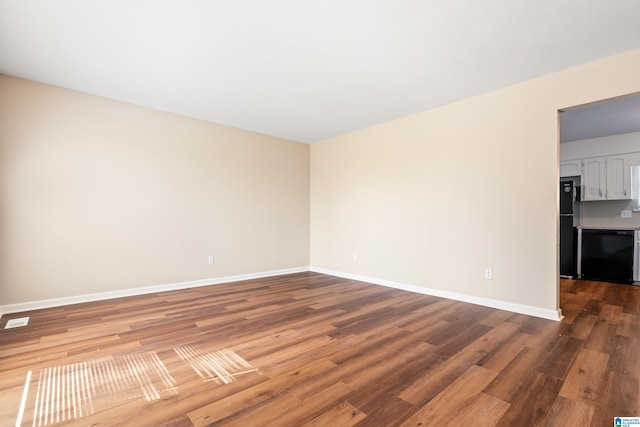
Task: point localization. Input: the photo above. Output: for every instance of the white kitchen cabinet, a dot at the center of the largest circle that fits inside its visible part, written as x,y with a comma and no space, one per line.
618,177
606,178
571,168
594,178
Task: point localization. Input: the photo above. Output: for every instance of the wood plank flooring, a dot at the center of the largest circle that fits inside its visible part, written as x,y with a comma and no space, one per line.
314,350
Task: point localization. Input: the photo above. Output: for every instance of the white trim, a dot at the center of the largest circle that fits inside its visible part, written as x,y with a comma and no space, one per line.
502,305
487,302
57,302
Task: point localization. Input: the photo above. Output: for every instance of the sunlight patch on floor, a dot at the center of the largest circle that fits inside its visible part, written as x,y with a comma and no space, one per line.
69,392
219,365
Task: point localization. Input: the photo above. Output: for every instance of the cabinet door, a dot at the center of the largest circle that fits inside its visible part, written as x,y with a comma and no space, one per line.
571,168
618,177
594,178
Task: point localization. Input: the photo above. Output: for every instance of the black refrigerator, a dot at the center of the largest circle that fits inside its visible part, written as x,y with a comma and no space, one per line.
568,195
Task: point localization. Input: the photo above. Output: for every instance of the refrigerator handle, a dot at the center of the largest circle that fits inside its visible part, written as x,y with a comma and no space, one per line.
579,254
636,256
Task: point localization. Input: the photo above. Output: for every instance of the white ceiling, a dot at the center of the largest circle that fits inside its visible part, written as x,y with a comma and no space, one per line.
304,70
610,117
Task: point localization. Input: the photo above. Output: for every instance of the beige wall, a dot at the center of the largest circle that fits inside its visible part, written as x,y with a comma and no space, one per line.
604,146
98,195
433,199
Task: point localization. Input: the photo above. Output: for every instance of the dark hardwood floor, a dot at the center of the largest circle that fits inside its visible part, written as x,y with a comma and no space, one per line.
314,350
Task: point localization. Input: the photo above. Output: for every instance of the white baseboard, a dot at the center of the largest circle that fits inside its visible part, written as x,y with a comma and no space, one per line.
502,305
487,302
57,302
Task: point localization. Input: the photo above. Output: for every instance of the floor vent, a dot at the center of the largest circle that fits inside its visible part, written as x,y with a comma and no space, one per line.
16,323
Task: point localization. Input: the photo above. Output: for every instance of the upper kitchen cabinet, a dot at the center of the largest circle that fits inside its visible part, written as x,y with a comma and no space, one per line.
570,168
605,137
618,177
594,178
606,178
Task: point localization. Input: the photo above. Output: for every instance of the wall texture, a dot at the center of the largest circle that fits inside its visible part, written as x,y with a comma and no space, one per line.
98,195
433,199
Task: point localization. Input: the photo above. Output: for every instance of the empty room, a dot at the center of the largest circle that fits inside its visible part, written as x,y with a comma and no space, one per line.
335,213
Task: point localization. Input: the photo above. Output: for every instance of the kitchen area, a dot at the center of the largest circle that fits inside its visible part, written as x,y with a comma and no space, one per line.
600,192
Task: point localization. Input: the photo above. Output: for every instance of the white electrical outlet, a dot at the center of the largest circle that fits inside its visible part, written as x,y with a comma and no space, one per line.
354,256
626,213
488,273
211,260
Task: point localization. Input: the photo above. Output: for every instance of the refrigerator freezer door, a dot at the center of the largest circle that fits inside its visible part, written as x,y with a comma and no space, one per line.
567,247
567,196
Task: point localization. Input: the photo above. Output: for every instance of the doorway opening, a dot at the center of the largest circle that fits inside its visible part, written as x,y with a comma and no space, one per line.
599,148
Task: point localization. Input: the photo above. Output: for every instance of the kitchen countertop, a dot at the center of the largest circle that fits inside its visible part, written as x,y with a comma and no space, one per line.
581,227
